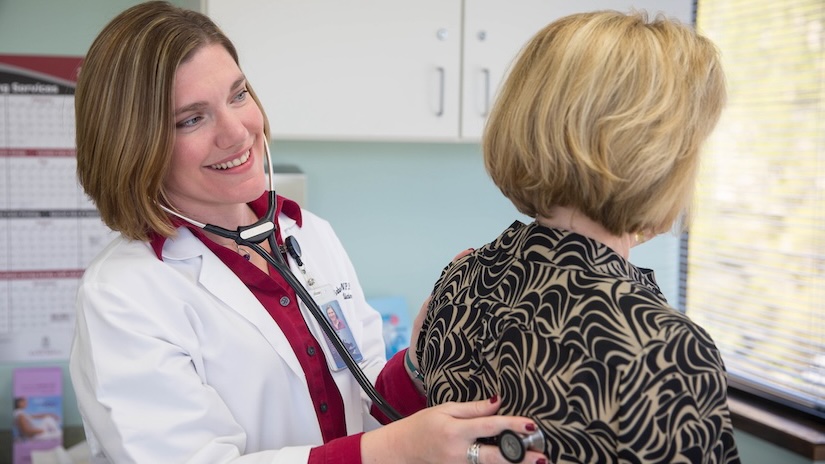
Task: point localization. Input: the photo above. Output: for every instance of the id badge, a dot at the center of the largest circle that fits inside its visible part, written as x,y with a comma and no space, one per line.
335,315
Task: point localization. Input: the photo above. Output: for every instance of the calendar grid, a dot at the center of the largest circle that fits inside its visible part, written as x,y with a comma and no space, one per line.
50,229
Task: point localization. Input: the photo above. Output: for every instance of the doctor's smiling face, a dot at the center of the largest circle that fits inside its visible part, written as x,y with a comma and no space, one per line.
218,151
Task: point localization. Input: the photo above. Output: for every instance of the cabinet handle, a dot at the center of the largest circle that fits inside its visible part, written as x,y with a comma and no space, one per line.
486,110
440,111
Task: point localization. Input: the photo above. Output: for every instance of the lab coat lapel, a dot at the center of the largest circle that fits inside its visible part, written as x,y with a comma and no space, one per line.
221,282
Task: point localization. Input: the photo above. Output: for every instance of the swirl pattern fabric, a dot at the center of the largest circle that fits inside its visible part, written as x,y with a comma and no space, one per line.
571,334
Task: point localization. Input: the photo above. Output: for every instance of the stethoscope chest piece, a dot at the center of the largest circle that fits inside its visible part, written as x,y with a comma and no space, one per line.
514,446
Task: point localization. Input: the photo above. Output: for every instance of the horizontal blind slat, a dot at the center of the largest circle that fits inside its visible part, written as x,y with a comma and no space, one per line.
754,275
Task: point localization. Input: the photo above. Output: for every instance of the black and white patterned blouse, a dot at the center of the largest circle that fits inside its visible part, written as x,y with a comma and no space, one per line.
566,331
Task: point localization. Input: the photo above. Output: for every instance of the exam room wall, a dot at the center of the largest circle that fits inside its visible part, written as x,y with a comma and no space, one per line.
402,210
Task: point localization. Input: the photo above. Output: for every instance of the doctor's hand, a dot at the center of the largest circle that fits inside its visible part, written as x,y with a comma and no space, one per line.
419,321
446,433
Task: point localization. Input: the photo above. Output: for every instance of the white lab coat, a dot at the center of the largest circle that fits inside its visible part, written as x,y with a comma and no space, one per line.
177,361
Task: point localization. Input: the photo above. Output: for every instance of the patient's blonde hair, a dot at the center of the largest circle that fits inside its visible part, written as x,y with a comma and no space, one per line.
606,112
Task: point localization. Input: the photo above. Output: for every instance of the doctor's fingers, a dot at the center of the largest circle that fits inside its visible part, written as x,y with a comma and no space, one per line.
480,419
419,321
463,254
478,422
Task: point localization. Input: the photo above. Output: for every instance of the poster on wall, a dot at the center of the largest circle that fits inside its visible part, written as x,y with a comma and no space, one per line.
49,229
37,418
396,322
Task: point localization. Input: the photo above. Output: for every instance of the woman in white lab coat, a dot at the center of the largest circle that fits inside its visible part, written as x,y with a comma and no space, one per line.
189,347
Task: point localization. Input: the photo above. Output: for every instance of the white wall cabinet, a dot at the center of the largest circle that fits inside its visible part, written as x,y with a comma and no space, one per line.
394,70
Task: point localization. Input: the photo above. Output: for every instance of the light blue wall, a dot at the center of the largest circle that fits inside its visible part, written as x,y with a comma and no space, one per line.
402,210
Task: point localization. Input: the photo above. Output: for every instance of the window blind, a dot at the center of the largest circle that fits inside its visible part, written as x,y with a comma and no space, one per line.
755,272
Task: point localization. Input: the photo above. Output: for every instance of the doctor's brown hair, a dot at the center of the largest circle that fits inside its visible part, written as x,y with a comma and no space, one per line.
606,112
124,113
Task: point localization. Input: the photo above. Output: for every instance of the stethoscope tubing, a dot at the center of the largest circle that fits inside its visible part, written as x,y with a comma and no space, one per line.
282,268
265,228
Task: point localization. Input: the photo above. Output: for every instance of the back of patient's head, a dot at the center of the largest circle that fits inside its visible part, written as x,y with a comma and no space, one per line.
606,112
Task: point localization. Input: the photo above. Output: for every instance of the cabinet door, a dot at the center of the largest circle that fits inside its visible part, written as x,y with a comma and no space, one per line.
495,31
358,69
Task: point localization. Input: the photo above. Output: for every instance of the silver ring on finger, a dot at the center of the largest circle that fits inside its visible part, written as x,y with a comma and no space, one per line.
472,453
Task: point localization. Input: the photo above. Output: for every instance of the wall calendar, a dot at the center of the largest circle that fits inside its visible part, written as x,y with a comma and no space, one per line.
49,229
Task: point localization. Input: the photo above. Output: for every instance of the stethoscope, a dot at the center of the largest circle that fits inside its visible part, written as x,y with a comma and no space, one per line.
251,236
512,445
